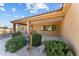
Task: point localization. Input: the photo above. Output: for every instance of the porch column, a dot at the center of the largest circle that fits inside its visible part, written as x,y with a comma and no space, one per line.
29,34
14,27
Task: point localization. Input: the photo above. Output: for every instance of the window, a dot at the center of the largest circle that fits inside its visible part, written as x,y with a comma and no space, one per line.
54,27
42,28
49,28
45,28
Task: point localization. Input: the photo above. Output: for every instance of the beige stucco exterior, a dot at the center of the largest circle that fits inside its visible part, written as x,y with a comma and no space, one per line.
37,28
70,27
4,31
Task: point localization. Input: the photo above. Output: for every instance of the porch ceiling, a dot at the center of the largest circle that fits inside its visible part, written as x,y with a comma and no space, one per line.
22,23
55,20
51,15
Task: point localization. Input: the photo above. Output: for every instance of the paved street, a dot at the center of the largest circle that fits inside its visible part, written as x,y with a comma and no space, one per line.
4,36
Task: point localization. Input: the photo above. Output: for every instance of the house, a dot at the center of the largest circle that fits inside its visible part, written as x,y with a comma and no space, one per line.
63,22
47,23
4,30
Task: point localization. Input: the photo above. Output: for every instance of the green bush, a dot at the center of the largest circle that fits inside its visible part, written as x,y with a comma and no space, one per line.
17,42
36,39
16,34
20,34
57,48
14,44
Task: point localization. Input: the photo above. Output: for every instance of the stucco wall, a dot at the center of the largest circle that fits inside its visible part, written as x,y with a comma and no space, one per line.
70,26
37,28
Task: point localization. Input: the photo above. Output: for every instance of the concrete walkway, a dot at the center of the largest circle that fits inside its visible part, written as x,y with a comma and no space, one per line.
2,48
35,51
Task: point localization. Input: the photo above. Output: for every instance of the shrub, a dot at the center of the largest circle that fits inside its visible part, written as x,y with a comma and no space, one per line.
20,34
57,48
17,42
14,44
36,39
16,34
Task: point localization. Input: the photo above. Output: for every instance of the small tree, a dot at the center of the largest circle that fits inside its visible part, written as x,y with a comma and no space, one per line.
5,27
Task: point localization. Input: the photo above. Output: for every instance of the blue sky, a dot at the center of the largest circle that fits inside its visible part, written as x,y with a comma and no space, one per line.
14,11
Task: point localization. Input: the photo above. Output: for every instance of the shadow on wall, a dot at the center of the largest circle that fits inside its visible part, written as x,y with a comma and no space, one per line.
71,46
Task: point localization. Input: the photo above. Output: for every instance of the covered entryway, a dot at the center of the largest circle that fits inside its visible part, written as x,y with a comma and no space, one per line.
44,27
